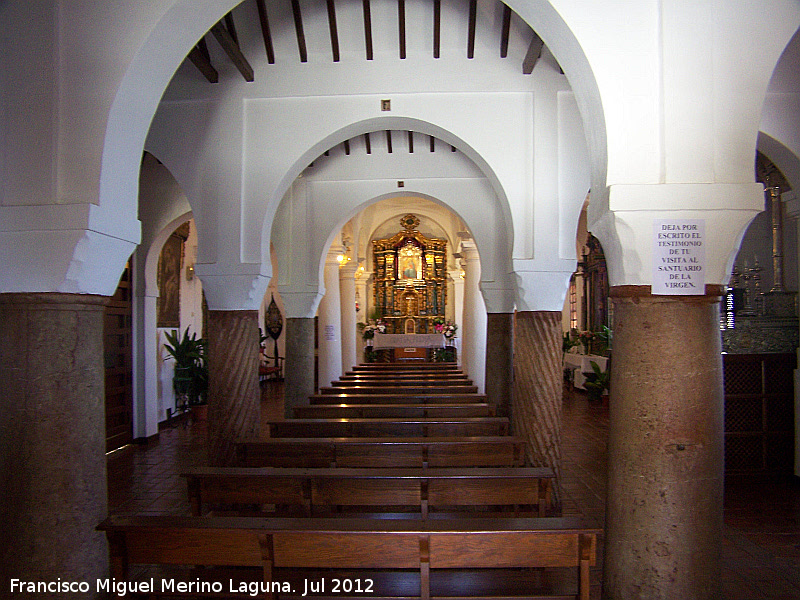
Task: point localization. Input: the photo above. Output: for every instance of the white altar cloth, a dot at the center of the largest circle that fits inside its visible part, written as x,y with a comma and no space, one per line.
408,340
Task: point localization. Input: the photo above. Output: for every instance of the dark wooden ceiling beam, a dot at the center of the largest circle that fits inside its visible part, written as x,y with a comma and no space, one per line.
411,142
265,30
200,59
505,31
233,51
533,54
389,140
334,30
473,17
347,147
298,27
401,25
231,27
367,28
433,143
437,27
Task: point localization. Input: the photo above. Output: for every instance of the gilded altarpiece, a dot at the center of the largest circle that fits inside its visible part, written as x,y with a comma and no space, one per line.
410,282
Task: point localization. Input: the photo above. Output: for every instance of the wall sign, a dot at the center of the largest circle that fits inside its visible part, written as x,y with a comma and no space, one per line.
679,257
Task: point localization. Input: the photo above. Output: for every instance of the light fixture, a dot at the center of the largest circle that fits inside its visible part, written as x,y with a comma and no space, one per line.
189,272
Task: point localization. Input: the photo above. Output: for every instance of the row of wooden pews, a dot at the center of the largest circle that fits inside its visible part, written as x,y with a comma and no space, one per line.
397,481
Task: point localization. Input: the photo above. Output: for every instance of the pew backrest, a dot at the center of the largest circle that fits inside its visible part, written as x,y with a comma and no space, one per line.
271,543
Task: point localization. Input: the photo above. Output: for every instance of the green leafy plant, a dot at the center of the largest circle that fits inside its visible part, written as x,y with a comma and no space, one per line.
597,381
191,371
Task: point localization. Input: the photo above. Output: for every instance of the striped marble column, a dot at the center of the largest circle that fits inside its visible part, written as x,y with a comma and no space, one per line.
537,386
234,400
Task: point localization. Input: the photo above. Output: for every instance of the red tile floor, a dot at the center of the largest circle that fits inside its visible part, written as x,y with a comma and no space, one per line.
761,551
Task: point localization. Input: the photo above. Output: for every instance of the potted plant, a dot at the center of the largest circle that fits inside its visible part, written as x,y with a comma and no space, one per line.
190,381
597,382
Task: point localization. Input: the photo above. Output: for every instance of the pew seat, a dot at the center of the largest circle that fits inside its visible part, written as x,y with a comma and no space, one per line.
322,491
390,427
340,545
477,451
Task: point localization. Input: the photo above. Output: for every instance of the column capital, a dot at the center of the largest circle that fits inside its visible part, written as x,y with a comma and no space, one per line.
300,304
348,270
239,287
713,294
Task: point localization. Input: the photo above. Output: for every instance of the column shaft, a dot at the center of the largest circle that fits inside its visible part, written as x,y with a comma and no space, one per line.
537,402
347,298
499,361
330,326
234,399
665,448
299,368
52,427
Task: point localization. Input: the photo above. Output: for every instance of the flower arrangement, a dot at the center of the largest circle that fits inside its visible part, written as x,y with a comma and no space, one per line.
447,328
370,330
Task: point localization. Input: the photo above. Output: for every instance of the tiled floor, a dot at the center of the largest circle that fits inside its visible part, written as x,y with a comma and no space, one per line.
761,552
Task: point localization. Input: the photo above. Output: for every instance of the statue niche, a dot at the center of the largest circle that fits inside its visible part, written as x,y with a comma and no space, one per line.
410,285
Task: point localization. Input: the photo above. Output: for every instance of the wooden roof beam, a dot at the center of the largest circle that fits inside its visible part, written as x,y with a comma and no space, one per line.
333,29
200,58
533,54
367,28
223,36
298,26
265,30
473,17
437,27
505,31
401,25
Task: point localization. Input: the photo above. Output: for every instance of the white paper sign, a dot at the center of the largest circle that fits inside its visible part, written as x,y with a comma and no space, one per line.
679,257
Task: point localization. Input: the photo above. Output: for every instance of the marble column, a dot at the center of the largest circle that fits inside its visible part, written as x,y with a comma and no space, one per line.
473,334
52,427
665,447
347,298
499,357
234,399
537,389
298,372
330,325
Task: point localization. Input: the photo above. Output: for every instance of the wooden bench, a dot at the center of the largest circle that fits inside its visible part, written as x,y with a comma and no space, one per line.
389,427
316,491
342,397
480,451
402,375
268,544
414,388
400,411
399,382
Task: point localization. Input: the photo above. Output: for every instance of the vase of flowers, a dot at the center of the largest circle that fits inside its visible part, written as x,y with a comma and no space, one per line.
586,338
371,329
447,329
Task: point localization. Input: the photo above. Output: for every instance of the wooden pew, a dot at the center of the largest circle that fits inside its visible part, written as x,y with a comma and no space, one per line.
321,490
405,376
389,427
400,411
479,451
267,544
409,388
342,397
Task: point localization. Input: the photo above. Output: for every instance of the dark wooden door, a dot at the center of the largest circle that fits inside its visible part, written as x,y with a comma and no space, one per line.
117,334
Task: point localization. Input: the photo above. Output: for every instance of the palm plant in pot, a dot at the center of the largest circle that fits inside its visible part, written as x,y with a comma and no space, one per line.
597,382
190,381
